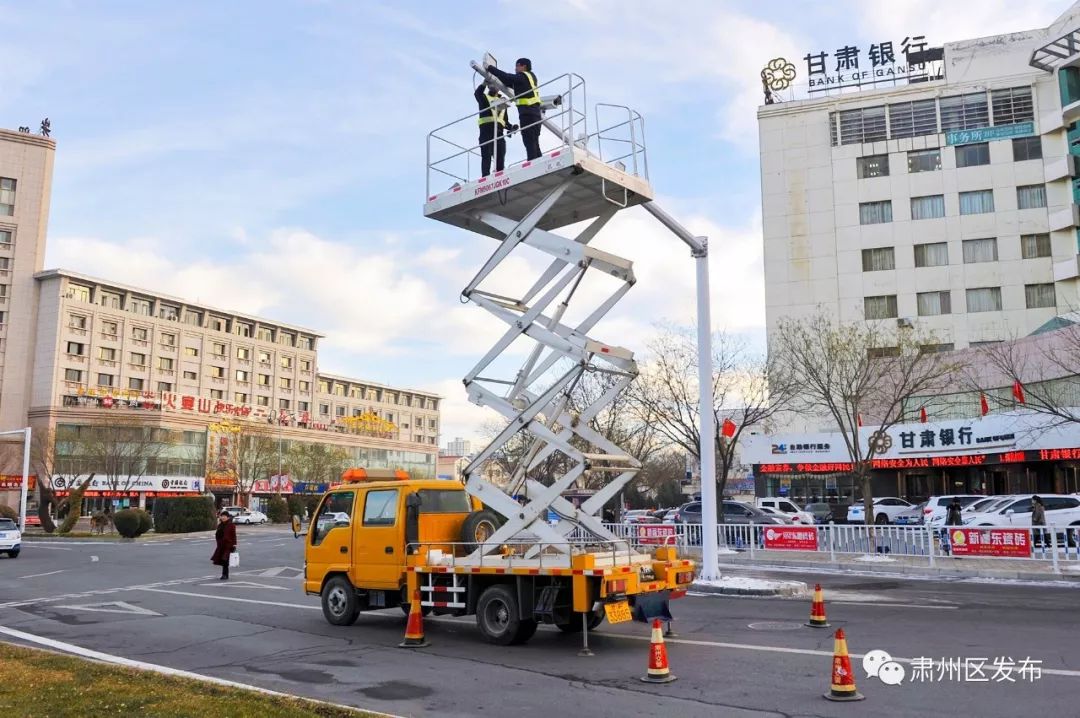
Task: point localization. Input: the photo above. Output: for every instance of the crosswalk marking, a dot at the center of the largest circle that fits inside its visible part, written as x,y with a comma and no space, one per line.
114,607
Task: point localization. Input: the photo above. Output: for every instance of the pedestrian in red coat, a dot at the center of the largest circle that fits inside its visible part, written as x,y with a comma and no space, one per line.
225,536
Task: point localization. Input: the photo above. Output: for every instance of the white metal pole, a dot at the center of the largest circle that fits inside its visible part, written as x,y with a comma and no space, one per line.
710,570
25,479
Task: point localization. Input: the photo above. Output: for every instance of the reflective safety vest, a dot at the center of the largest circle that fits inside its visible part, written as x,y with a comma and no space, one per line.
495,113
534,97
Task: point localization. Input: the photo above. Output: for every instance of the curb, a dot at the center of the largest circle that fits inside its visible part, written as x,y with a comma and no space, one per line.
784,588
1066,577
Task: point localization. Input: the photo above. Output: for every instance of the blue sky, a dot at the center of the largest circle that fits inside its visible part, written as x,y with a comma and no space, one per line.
268,156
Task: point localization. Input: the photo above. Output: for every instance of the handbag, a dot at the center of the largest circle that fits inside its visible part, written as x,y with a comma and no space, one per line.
234,559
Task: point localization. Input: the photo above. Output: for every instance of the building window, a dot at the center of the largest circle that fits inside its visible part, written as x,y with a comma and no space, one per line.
164,386
140,333
105,379
5,238
138,359
866,124
1040,296
265,334
140,306
1034,245
977,202
168,312
882,352
262,400
324,387
964,112
218,372
875,212
7,196
264,357
217,394
286,362
165,363
75,321
1027,148
872,166
302,406
109,300
305,365
191,376
980,250
219,350
1031,196
243,353
135,383
935,348
109,329
883,307
283,403
934,254
73,375
107,353
930,207
931,304
244,376
984,299
284,382
168,340
340,411
191,351
285,339
432,424
324,409
339,390
303,343
913,119
218,324
240,397
878,259
78,292
305,386
241,329
193,318
264,380
973,155
76,349
1012,105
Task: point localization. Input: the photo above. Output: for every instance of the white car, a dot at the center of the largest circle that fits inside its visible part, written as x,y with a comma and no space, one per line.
250,517
886,509
1061,510
10,538
937,507
785,507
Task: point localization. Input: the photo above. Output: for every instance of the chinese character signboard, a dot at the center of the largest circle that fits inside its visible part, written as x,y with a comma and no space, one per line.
985,134
656,533
1010,543
274,485
791,538
8,481
880,62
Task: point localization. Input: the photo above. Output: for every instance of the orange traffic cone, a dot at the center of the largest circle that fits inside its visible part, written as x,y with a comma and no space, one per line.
414,629
843,679
659,672
817,609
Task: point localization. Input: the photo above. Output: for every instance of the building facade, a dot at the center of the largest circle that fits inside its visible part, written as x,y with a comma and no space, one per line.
948,204
458,447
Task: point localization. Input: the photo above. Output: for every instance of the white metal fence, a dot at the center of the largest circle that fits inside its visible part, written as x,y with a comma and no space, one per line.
1055,546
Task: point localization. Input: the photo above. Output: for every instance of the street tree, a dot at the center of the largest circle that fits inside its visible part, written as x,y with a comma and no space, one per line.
255,456
48,449
123,452
316,463
847,371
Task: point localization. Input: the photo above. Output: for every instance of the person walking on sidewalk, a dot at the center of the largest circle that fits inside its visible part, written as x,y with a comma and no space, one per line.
953,517
225,538
1038,518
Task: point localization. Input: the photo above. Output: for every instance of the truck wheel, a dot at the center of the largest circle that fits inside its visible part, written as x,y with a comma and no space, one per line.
497,617
574,624
478,528
339,604
425,611
526,630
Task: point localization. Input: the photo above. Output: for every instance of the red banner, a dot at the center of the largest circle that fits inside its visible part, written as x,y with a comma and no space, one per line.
791,538
1012,543
656,533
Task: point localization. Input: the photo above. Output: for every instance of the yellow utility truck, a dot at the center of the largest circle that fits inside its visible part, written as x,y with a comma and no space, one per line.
381,538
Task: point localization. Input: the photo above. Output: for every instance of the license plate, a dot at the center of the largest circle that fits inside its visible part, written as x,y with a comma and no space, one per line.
617,612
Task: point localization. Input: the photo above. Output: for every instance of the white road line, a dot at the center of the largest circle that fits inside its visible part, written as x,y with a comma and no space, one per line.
166,670
645,639
99,592
37,544
36,575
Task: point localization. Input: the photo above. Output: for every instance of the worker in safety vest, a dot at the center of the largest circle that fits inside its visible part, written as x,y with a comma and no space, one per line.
493,125
523,82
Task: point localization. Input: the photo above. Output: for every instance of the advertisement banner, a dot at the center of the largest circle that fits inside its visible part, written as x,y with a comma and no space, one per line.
9,481
1010,543
663,534
274,485
791,538
134,483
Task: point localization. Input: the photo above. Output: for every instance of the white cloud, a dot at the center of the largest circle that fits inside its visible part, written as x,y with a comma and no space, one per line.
952,21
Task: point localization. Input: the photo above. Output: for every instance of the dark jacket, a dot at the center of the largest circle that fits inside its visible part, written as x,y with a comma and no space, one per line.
953,515
519,83
225,537
484,105
1038,514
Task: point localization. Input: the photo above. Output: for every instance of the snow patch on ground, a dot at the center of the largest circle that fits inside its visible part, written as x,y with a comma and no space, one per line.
724,551
872,558
747,582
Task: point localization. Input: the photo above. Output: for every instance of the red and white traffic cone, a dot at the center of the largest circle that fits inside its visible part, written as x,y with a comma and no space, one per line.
843,678
817,609
659,671
414,629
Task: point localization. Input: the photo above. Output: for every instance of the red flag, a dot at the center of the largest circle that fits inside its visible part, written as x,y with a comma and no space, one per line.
728,428
1018,391
922,414
983,405
859,420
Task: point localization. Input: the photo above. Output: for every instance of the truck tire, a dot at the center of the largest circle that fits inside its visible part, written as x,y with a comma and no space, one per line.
478,528
497,617
339,604
406,606
574,624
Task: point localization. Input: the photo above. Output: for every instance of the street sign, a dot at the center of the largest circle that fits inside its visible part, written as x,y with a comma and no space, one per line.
791,538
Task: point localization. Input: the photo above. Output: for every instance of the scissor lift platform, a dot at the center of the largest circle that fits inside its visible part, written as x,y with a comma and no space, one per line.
516,191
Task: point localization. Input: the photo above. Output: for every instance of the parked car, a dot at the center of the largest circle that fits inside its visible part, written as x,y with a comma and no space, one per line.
10,538
886,509
787,508
822,512
1061,510
937,507
639,516
250,517
233,510
982,504
735,512
911,517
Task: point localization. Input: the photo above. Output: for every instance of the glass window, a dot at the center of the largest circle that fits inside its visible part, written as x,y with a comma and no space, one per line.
878,259
140,306
5,238
935,348
165,363
264,380
872,166
883,307
264,357
335,511
78,293
190,376
1027,148
912,119
241,329
135,383
380,507
138,359
219,349
244,376
265,334
875,212
139,333
218,372
191,351
980,250
164,386
109,329
107,353
964,112
1012,105
435,501
978,202
105,379
934,303
866,124
305,365
78,321
76,348
1031,196
934,254
930,207
286,362
973,155
240,397
984,299
324,409
341,411
7,196
262,400
168,340
285,338
1035,245
283,403
73,375
109,299
168,312
1040,296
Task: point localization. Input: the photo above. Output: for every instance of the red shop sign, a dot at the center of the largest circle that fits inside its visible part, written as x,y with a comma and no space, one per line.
656,533
1013,543
791,538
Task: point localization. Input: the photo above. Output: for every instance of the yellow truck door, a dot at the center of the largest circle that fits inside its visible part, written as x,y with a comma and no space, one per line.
330,537
379,557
